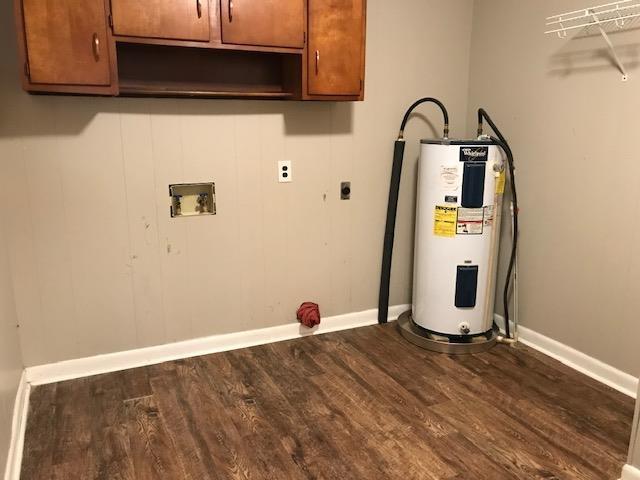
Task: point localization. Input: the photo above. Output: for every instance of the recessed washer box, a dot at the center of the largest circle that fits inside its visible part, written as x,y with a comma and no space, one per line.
192,199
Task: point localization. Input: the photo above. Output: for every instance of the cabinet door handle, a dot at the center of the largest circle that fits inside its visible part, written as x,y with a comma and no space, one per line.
199,8
96,47
230,11
317,62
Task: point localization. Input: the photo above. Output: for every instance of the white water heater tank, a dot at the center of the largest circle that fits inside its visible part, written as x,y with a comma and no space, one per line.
460,189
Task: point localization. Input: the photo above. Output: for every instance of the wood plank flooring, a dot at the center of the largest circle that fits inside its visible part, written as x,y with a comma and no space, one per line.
358,404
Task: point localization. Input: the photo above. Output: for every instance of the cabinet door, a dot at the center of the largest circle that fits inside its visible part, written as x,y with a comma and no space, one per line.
269,23
336,43
170,19
66,41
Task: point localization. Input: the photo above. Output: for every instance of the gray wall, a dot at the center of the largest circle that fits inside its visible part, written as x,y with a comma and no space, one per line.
573,127
98,266
10,358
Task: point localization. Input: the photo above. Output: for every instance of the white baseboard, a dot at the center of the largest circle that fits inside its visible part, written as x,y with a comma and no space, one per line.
18,427
630,473
84,367
592,367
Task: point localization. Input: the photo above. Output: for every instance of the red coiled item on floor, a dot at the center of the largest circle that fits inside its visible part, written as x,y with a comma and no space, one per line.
309,314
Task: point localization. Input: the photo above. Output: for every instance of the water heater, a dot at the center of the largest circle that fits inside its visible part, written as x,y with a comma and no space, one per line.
461,185
460,188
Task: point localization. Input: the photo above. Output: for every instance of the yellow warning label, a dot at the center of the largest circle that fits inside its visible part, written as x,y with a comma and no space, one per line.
500,183
445,220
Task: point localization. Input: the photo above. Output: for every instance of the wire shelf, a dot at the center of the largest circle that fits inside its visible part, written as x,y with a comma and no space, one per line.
616,12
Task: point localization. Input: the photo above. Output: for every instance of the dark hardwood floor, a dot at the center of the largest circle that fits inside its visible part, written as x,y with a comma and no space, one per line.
359,404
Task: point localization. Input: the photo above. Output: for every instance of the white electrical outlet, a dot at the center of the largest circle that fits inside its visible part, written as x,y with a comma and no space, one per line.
285,173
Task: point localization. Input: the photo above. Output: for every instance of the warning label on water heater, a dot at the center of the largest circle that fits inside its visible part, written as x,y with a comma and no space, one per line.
470,221
444,224
488,216
450,176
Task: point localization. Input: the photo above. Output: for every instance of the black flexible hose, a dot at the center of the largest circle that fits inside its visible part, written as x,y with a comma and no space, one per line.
389,232
392,206
445,115
502,142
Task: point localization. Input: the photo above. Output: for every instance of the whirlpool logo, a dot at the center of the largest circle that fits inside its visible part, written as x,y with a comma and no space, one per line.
474,154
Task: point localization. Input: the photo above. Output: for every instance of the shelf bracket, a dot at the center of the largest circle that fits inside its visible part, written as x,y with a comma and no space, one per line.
619,64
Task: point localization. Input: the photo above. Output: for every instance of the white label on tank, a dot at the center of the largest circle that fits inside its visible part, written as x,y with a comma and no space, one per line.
450,177
470,221
488,216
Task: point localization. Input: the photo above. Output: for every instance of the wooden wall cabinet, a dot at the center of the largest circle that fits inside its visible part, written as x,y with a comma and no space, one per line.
279,49
171,19
268,23
336,47
67,45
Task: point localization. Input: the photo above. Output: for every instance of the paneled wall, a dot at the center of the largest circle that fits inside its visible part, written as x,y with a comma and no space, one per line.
98,266
573,125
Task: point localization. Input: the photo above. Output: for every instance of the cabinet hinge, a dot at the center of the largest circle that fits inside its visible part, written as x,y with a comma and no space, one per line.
27,70
110,19
304,38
